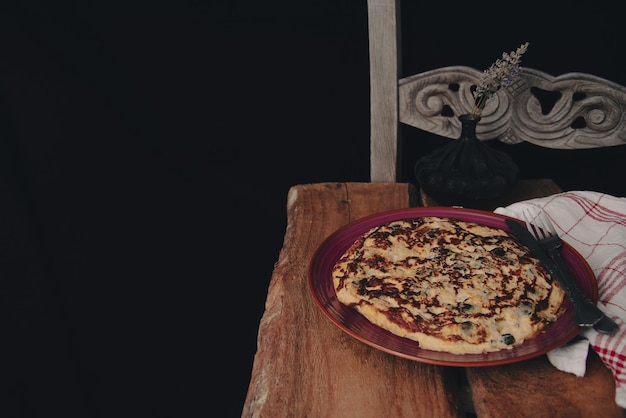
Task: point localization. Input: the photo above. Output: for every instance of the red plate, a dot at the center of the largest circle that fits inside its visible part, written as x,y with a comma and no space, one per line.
350,321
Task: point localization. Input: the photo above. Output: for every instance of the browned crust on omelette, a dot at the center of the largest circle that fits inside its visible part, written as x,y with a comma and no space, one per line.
451,285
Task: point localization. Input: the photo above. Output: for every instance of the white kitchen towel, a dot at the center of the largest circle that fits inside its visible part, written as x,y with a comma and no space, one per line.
594,224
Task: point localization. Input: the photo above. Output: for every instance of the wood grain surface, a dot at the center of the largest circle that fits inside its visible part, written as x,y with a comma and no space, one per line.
305,366
535,388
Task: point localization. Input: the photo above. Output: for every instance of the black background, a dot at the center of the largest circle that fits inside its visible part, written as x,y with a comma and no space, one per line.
147,152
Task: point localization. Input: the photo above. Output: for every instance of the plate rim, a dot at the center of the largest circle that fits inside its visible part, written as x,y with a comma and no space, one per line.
352,230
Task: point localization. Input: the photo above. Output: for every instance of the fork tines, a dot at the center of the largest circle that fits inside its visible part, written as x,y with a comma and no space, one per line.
539,225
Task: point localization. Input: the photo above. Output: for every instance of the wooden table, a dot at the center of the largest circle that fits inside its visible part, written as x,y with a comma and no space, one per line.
305,366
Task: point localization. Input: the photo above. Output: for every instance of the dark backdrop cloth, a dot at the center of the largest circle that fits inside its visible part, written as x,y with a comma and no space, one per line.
146,151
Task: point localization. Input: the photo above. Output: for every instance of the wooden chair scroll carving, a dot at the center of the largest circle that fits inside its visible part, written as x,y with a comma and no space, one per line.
571,111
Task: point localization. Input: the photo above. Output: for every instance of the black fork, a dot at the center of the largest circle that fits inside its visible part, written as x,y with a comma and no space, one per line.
586,311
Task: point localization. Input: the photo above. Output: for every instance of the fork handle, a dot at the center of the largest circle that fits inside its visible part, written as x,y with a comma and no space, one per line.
604,325
586,313
560,265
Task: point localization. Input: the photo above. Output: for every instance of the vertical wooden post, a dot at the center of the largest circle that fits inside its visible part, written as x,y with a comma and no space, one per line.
383,18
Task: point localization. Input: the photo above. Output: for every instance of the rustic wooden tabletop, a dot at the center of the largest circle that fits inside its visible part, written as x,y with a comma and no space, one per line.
306,366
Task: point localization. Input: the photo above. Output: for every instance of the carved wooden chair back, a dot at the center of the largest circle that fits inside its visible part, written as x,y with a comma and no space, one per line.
570,111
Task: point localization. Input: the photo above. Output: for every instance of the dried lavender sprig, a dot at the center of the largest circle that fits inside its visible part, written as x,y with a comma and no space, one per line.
500,74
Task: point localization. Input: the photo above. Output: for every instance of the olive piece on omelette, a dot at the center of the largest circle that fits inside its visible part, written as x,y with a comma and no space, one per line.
449,284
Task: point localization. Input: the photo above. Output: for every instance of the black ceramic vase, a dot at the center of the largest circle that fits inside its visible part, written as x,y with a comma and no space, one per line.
467,170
